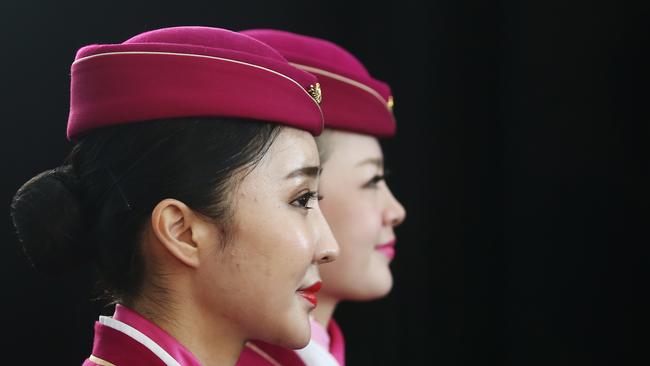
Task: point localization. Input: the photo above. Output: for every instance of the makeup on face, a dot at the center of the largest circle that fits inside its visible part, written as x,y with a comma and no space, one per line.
309,293
274,255
358,205
306,177
387,249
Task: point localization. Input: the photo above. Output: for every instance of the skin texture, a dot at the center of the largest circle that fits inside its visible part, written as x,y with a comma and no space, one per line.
362,213
219,294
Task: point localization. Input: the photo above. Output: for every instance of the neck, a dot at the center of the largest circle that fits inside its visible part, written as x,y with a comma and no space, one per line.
325,309
212,341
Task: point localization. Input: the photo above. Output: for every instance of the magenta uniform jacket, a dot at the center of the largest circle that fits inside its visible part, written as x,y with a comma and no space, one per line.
264,354
128,339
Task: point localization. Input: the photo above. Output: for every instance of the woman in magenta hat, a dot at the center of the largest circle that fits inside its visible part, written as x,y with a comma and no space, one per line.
358,204
193,187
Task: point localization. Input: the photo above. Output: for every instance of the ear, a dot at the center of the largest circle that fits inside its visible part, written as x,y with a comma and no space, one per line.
181,231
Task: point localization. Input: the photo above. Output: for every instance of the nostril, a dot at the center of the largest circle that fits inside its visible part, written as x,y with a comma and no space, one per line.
327,259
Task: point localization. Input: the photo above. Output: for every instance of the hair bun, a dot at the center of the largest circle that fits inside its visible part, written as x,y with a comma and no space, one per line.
47,214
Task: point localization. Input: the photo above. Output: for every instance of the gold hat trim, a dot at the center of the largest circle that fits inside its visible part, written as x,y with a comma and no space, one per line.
389,104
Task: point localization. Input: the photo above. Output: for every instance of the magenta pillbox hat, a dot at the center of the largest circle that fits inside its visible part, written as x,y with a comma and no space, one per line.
352,99
189,72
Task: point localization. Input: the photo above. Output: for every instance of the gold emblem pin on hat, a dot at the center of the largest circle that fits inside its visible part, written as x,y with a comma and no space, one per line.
315,92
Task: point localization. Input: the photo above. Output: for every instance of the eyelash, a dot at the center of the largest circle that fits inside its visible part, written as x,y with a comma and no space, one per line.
375,180
304,200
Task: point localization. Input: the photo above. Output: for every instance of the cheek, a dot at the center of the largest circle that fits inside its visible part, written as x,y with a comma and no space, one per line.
264,264
356,226
355,222
275,253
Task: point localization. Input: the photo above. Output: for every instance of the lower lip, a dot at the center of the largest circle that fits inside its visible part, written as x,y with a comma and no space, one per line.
310,297
387,249
309,293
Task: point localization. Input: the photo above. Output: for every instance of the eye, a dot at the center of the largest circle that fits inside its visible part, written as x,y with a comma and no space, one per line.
304,200
374,181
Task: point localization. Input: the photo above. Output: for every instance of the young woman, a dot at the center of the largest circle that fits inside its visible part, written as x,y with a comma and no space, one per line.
193,187
359,206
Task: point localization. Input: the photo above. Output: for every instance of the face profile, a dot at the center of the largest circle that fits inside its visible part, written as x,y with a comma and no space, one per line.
265,275
362,213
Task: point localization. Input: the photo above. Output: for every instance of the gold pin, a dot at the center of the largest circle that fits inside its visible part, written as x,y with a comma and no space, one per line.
390,103
315,92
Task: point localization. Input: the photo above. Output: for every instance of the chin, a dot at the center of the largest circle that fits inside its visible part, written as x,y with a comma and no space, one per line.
296,333
386,290
383,282
383,289
298,343
376,289
295,340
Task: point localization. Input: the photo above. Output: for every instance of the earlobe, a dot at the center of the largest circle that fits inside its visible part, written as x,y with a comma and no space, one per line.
173,223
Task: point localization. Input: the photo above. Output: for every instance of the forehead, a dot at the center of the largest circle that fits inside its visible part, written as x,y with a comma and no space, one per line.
292,149
351,148
293,146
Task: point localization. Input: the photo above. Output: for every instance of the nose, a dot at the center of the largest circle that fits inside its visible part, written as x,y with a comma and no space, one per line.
394,213
327,248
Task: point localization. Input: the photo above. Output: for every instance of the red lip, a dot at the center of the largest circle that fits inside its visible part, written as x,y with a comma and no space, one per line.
309,293
387,249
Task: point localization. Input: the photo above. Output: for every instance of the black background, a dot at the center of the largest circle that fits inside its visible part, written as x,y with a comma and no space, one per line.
521,157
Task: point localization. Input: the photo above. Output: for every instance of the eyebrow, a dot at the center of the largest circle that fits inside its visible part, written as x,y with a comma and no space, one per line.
309,171
379,162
